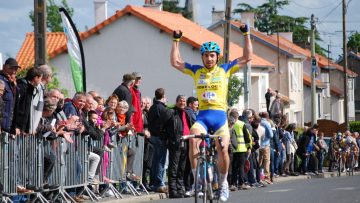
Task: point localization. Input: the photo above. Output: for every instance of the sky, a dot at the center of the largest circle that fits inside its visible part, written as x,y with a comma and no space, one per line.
15,23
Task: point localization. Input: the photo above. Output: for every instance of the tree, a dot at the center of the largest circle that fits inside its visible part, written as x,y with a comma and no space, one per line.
53,20
269,21
235,89
173,7
354,42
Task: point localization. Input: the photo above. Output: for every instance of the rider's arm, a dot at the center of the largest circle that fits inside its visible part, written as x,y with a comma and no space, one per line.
248,50
175,58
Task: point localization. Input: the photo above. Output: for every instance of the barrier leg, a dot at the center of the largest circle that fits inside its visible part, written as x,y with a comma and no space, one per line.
64,196
111,188
89,193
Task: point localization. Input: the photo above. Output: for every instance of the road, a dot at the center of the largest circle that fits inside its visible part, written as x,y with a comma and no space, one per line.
317,190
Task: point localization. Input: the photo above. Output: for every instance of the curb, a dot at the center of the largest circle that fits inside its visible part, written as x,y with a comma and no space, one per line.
137,199
312,176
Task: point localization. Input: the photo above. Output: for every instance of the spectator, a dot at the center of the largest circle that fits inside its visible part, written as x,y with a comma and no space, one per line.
323,149
264,152
280,154
178,126
137,119
276,107
123,92
291,147
192,106
257,135
268,95
158,116
148,146
333,148
241,152
25,103
307,151
8,76
2,91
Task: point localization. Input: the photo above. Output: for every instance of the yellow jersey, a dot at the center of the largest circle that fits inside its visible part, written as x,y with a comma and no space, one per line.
212,84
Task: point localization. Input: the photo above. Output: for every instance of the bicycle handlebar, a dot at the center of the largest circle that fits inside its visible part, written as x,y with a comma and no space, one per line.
201,136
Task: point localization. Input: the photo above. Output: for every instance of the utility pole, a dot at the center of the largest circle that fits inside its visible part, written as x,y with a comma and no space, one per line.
227,31
40,32
313,71
345,63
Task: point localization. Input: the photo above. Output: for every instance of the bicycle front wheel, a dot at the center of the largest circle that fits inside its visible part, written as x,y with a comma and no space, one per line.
200,181
339,163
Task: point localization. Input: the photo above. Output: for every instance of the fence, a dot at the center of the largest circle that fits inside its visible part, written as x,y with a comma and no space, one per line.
22,163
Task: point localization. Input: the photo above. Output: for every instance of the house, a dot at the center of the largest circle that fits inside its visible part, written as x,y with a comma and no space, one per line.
134,39
354,65
331,98
292,75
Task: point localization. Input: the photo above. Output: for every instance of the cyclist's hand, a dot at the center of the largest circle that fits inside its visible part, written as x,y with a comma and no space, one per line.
177,34
245,29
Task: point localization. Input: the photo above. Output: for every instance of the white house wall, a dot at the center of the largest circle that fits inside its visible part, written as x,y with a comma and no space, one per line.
126,45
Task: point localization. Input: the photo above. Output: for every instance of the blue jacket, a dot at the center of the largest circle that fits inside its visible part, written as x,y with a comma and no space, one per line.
9,102
268,133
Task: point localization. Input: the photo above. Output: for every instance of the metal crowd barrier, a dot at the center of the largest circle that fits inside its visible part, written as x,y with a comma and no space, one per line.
22,161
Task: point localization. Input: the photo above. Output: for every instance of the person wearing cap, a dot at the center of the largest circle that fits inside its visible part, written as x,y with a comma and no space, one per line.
8,75
136,117
123,92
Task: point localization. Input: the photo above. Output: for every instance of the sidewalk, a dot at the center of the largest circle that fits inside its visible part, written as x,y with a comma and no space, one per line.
158,196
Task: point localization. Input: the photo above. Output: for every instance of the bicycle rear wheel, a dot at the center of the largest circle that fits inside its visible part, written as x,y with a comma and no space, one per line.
200,181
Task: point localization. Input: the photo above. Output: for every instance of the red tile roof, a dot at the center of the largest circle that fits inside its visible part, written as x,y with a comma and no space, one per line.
193,33
26,54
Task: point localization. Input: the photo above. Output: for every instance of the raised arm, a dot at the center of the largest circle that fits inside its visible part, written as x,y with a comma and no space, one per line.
248,50
175,58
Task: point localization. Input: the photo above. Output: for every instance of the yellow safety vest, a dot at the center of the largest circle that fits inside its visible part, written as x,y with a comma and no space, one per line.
241,146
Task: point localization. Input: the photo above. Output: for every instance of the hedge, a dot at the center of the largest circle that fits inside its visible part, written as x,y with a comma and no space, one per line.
354,126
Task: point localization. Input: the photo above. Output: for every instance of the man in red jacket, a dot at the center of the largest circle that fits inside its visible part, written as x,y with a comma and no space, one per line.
136,118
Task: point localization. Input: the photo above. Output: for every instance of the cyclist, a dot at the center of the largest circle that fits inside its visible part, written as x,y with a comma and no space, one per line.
349,145
211,82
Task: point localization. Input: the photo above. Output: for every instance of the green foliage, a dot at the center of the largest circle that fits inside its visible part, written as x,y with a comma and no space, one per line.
354,126
268,20
354,42
173,7
235,89
53,21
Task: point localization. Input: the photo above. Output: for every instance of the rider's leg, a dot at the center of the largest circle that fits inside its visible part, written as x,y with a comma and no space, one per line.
194,149
223,158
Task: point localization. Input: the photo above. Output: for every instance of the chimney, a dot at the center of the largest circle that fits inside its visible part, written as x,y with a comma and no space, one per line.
248,17
217,15
100,7
153,5
287,35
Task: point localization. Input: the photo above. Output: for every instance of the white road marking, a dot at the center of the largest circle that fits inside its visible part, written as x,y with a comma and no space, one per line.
344,188
283,190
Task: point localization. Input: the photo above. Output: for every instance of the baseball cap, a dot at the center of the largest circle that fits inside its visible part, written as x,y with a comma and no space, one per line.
12,62
136,74
128,77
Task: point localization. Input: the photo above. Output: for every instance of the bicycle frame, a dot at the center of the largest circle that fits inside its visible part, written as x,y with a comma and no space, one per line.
206,175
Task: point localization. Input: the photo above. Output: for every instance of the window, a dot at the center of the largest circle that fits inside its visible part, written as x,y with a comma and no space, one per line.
295,76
